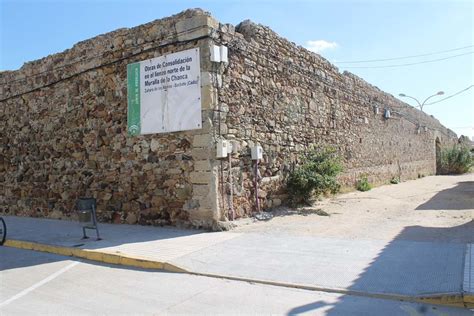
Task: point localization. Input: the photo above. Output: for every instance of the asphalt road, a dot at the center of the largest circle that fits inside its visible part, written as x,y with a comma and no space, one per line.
33,283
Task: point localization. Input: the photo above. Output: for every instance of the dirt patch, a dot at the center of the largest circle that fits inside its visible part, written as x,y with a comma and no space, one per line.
287,211
435,208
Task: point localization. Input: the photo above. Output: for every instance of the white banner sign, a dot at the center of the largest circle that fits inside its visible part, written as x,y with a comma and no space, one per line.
164,93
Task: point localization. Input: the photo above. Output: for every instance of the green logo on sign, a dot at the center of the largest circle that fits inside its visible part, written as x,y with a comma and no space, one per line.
133,89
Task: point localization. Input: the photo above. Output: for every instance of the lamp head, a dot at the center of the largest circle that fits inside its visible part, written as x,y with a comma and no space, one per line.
402,95
440,93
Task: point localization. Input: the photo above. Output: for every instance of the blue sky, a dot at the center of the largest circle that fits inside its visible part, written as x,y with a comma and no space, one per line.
340,30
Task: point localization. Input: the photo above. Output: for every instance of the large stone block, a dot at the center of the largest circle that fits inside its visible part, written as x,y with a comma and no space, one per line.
202,153
201,190
204,140
202,165
203,214
200,177
195,27
207,203
208,98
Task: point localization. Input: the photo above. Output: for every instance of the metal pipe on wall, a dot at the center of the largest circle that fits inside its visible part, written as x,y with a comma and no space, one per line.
231,185
256,186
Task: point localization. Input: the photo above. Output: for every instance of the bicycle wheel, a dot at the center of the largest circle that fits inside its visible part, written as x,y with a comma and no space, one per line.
3,231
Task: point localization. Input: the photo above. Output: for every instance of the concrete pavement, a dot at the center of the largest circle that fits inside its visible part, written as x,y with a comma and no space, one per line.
411,241
35,283
368,266
396,269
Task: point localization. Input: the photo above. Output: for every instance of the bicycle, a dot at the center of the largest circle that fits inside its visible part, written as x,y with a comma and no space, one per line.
3,231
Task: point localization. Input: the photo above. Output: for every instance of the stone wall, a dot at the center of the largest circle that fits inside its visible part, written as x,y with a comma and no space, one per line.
64,133
287,99
65,118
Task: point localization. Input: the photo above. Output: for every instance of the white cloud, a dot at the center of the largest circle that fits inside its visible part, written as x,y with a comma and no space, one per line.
320,45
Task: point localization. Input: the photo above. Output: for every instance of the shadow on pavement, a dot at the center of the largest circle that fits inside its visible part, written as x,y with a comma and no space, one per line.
461,197
69,234
307,308
431,268
12,258
418,261
458,234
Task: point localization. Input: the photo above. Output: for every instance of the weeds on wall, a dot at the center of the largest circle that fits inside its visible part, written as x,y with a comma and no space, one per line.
363,184
395,180
316,175
456,160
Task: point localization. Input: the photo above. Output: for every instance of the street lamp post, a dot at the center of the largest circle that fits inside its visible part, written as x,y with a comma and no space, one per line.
421,104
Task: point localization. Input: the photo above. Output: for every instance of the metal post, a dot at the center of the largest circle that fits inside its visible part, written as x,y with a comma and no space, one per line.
231,202
257,203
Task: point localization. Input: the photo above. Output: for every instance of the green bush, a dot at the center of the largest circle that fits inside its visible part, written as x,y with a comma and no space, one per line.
363,185
456,160
316,175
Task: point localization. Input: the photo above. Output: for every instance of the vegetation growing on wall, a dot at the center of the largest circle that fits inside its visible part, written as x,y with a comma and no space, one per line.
456,160
316,175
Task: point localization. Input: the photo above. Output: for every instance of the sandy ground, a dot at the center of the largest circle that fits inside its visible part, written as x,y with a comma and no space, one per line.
435,208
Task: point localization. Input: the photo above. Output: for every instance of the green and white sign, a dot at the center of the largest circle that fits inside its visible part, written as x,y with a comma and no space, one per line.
164,93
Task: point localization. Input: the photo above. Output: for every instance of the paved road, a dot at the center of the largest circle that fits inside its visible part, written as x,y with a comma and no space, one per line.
400,267
409,239
35,283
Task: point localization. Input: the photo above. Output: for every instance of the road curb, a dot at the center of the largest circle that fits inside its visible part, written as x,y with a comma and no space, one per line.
468,300
468,286
448,299
98,256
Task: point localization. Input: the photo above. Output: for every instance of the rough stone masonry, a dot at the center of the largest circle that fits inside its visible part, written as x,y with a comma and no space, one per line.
64,127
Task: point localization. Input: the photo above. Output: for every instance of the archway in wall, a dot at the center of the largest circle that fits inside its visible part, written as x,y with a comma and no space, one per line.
438,155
